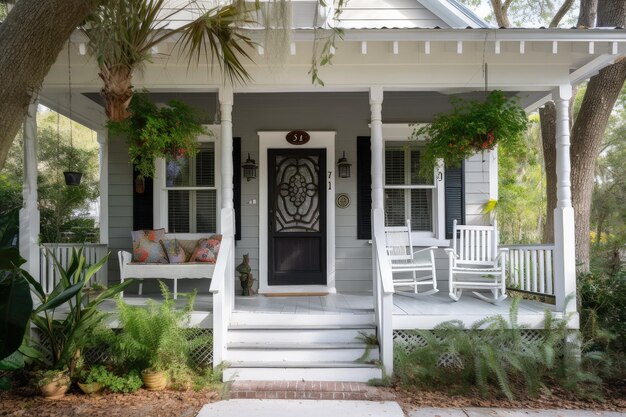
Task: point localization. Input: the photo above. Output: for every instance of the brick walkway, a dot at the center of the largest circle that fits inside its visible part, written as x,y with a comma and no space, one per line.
307,390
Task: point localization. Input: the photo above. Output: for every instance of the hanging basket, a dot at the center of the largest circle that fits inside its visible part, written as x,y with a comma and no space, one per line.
72,178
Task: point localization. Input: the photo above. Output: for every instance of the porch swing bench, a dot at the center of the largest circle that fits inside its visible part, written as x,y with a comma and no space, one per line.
173,271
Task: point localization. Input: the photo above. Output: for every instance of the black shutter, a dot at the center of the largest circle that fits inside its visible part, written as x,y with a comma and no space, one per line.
237,185
142,205
455,197
364,187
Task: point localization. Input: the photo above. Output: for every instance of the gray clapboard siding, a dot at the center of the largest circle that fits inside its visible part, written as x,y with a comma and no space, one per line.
346,113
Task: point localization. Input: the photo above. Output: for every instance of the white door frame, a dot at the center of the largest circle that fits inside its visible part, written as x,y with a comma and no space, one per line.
276,140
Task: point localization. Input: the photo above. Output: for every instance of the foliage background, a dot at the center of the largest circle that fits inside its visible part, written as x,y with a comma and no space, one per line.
66,212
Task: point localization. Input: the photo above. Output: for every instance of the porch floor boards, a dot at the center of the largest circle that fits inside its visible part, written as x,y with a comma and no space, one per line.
410,311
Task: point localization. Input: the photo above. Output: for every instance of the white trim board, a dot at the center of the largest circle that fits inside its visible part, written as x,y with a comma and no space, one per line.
276,140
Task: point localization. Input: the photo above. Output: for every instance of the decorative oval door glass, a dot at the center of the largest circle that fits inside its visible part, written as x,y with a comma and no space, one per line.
297,197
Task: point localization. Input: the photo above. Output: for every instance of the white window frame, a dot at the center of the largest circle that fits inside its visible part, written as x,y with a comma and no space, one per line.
399,133
161,189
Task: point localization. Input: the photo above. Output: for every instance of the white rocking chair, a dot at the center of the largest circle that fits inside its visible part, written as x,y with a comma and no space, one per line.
475,252
406,261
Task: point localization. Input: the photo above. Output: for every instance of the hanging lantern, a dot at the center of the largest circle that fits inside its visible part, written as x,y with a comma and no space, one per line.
249,168
343,167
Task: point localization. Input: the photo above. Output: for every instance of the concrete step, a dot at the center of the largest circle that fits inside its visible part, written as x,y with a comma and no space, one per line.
301,371
309,334
300,320
299,352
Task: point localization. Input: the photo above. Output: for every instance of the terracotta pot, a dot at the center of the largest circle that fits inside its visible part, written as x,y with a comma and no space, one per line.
154,381
56,388
92,388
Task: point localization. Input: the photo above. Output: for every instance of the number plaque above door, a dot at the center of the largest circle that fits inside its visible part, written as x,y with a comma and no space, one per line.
298,137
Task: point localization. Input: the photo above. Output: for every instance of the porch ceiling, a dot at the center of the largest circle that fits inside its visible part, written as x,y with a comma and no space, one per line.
442,60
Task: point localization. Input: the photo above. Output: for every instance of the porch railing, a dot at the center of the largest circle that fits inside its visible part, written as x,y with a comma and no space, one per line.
530,268
223,286
383,291
48,274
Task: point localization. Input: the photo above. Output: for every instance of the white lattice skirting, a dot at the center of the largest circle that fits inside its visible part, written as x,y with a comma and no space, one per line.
409,340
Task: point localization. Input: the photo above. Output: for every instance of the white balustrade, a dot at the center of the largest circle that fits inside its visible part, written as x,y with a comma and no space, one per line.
530,268
48,274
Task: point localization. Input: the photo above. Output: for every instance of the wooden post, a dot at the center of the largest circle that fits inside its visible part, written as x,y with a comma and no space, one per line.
564,234
104,186
29,213
226,110
376,126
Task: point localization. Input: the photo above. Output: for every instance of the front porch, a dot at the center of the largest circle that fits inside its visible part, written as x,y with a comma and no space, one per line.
410,311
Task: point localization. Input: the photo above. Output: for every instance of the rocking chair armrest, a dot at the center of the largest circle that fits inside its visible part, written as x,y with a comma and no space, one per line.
501,254
451,253
425,250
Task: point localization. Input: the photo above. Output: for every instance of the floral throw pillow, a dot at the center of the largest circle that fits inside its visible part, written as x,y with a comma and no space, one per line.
147,246
174,251
206,249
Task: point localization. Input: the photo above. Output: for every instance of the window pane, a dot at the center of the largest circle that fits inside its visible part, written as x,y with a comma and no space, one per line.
394,208
394,166
180,172
177,172
421,210
206,211
178,211
416,179
205,166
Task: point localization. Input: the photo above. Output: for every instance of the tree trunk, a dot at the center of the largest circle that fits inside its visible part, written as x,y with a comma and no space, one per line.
500,13
31,37
547,117
587,14
117,92
587,134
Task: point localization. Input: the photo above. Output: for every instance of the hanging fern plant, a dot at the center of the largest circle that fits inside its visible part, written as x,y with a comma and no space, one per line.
471,127
158,132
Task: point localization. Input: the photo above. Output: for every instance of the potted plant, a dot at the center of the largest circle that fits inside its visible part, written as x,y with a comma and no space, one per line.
65,336
157,132
471,127
53,383
155,339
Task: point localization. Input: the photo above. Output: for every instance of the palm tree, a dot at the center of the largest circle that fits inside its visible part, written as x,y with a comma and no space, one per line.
122,34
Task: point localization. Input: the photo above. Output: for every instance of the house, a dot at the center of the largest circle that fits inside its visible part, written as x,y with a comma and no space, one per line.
400,62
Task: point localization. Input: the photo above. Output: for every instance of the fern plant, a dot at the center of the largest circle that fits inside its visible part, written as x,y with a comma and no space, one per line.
155,337
493,352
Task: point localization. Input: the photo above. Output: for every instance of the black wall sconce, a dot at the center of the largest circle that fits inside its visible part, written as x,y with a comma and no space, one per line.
249,169
343,167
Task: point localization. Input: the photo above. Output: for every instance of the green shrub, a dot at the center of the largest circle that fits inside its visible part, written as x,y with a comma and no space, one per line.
156,337
493,353
129,382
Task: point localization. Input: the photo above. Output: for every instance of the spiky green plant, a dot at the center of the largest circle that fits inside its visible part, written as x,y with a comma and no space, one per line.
493,352
155,337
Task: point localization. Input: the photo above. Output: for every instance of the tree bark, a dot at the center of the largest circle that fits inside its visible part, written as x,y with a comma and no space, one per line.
587,14
560,14
500,12
31,37
587,134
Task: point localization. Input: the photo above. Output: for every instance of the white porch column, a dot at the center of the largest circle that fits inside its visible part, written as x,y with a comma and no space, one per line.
564,247
226,109
103,209
376,126
29,214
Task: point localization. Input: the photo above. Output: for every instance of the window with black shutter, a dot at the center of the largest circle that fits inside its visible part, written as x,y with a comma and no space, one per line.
455,198
364,187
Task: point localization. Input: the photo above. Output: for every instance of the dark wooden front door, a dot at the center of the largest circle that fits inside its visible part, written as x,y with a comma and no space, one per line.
297,216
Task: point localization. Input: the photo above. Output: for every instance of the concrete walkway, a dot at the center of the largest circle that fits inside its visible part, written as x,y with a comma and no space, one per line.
332,408
301,408
502,412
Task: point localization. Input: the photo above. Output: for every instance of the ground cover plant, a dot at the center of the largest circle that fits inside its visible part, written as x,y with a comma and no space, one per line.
493,354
